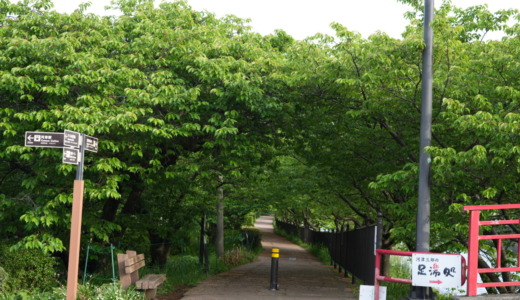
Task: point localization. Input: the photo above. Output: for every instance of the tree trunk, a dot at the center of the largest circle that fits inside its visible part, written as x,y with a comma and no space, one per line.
110,208
202,241
220,228
159,248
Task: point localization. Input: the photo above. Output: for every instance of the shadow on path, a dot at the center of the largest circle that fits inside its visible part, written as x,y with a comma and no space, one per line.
300,275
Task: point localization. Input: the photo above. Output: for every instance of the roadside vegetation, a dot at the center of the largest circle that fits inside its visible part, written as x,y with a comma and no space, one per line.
32,274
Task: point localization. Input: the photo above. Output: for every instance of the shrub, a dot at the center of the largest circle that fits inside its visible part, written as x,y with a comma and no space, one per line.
237,256
58,294
108,291
321,252
3,279
28,269
252,237
85,292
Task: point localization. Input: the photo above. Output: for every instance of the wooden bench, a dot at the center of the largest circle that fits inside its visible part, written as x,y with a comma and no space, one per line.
129,265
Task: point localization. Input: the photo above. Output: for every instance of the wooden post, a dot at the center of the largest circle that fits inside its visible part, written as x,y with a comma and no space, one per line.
75,238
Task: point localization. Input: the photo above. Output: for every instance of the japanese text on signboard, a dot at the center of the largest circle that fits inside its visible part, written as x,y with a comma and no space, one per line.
436,270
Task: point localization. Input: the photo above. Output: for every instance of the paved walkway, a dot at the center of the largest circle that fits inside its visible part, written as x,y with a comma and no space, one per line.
300,275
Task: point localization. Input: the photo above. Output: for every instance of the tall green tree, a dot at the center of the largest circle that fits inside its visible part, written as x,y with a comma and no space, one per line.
357,112
171,93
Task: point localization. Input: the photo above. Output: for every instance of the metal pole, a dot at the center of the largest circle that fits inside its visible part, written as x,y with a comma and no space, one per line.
75,228
379,239
114,279
275,255
86,263
79,167
423,209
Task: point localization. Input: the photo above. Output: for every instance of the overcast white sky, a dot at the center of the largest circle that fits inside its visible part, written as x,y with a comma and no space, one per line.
303,18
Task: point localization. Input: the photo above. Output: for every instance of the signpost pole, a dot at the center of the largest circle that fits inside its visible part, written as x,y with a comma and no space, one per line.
75,229
74,145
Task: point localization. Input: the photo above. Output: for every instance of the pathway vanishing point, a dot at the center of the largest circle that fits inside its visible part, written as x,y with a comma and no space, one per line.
300,275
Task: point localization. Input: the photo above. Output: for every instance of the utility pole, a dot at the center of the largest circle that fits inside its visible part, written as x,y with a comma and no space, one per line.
423,211
423,208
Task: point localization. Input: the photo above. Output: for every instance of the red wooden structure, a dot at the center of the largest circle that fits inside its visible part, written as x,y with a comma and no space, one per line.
474,250
379,277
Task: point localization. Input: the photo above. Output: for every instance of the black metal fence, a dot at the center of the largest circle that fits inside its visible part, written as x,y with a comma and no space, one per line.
352,251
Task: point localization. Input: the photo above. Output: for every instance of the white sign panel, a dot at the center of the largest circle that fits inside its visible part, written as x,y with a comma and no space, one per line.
366,292
91,143
436,270
71,138
71,156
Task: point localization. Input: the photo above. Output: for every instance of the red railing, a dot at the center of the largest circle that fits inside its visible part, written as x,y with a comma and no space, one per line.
474,250
379,277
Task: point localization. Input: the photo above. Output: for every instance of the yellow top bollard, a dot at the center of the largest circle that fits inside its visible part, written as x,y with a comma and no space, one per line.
275,253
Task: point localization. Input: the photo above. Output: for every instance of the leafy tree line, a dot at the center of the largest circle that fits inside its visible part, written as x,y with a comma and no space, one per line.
176,97
324,130
357,119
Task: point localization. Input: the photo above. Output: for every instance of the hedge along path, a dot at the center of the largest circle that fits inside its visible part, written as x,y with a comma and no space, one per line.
300,275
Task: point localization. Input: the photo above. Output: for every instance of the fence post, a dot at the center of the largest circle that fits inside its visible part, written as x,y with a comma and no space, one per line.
333,244
345,251
86,262
376,275
114,278
329,245
339,247
473,252
379,240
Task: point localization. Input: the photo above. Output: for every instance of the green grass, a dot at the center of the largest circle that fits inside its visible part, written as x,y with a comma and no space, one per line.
85,292
185,270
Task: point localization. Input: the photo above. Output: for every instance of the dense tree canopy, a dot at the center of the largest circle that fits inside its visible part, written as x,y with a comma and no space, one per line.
176,97
325,131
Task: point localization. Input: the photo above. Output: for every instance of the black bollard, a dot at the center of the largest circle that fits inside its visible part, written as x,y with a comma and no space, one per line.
275,255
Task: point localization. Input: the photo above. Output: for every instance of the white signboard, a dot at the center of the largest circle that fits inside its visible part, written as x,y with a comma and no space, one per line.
91,144
436,270
71,156
366,292
71,138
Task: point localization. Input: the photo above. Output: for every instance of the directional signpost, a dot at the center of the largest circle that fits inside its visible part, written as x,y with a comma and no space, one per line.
71,156
71,138
74,145
44,139
91,143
